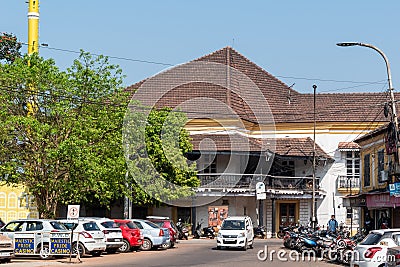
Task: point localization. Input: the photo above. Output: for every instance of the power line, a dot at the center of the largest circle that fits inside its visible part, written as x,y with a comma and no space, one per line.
113,57
171,65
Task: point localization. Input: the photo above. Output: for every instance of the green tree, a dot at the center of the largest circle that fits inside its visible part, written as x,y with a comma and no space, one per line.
9,47
155,143
69,149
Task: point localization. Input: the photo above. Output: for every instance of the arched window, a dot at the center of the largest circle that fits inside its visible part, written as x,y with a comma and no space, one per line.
12,200
3,216
11,215
2,200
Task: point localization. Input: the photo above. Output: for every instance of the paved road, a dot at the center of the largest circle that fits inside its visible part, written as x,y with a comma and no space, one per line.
188,253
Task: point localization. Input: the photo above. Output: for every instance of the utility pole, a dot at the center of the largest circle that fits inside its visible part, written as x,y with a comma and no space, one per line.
33,27
313,216
33,45
392,101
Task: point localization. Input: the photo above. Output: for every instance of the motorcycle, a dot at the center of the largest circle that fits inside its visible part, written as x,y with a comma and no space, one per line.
183,232
260,232
204,232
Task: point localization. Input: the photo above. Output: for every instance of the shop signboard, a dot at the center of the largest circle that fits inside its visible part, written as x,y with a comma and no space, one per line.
394,189
383,200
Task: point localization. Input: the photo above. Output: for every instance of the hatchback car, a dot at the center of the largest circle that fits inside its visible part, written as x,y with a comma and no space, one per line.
87,237
166,222
112,232
133,238
372,250
153,235
41,229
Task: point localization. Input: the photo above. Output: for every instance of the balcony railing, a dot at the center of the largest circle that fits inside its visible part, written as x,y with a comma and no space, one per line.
348,182
218,180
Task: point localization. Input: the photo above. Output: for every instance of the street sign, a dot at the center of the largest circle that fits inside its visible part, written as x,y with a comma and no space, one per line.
73,211
262,196
394,189
260,188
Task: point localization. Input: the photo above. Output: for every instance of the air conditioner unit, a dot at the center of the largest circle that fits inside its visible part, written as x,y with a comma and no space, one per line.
384,176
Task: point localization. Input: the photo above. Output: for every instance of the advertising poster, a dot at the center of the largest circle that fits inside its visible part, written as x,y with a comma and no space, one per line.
216,215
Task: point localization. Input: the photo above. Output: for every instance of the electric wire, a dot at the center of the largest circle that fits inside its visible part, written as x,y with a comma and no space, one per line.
362,83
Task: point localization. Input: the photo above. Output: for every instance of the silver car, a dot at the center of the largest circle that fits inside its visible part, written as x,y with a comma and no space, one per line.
153,235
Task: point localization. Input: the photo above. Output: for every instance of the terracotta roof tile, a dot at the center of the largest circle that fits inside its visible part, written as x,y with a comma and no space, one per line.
340,107
293,147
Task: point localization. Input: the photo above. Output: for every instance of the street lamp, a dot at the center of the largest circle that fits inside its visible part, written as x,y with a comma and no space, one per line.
392,101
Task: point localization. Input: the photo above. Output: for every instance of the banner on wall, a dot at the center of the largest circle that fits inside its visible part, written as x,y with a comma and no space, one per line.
216,215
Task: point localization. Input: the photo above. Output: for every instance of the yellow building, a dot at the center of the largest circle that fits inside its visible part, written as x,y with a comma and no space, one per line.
15,203
376,177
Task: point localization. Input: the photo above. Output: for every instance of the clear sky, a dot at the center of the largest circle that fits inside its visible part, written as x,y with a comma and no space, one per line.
293,40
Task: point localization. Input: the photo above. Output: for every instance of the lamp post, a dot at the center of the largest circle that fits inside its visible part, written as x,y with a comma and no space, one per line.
394,118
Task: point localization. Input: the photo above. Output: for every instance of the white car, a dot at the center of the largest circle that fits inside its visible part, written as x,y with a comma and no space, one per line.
373,250
236,232
41,230
112,232
87,237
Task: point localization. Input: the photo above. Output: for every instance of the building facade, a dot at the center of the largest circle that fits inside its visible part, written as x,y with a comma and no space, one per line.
237,147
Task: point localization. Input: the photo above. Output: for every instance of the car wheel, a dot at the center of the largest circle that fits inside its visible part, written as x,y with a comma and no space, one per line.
147,245
245,245
126,247
78,248
44,252
96,253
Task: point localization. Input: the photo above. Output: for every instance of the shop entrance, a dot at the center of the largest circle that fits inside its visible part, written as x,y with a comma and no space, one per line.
287,214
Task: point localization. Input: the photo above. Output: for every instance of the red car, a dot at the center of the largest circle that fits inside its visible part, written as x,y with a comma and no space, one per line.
133,239
166,222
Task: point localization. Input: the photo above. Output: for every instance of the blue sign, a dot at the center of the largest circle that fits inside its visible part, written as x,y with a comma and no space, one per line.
24,245
60,244
394,189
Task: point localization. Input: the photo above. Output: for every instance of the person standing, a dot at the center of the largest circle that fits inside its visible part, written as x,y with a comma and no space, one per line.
384,221
332,224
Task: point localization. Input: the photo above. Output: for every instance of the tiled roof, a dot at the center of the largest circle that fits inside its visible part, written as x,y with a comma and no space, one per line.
348,146
293,147
286,104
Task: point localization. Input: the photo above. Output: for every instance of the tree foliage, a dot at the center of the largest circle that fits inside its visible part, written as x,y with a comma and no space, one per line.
156,144
67,147
9,47
61,136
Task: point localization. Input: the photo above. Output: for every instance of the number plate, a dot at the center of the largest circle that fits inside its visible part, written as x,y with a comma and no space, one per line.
4,254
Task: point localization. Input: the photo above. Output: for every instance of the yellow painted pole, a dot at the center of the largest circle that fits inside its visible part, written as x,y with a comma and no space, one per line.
33,43
33,26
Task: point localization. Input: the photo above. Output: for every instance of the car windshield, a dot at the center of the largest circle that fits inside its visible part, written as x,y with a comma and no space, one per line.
232,225
58,226
90,226
70,225
160,224
131,225
371,239
153,225
110,224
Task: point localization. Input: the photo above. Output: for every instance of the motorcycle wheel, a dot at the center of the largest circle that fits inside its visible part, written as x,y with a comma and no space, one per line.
280,235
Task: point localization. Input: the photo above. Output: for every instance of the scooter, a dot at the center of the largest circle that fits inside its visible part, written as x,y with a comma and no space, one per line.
183,232
260,232
205,232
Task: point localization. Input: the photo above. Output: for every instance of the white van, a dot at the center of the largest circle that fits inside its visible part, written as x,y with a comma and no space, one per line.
236,232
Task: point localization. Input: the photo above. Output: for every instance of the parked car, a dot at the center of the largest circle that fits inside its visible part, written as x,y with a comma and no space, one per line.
153,235
133,238
166,222
40,227
112,232
236,232
372,250
87,237
6,249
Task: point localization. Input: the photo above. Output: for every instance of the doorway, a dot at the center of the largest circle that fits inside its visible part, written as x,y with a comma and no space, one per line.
287,214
